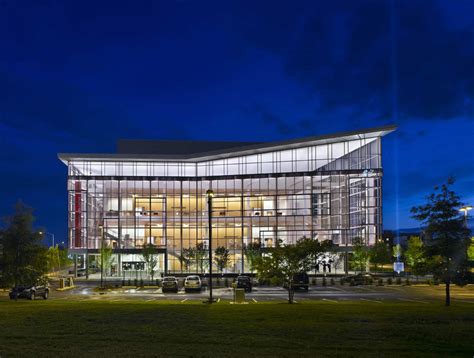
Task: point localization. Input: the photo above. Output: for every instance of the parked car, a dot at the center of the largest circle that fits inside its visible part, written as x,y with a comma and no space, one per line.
244,282
192,283
30,291
300,281
359,279
169,284
81,272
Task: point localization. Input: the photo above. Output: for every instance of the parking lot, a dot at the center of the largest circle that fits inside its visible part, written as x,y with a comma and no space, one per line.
330,294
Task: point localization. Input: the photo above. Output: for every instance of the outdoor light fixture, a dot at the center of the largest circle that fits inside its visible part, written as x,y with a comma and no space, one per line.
465,210
47,233
210,195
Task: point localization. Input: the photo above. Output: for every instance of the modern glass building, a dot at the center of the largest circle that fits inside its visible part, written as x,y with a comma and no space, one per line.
154,192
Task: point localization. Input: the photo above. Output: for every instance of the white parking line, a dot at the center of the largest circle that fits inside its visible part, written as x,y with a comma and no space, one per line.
327,299
254,300
408,300
456,299
365,299
364,288
218,300
184,300
339,289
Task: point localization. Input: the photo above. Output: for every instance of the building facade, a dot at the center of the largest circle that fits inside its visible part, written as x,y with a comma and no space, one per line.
154,192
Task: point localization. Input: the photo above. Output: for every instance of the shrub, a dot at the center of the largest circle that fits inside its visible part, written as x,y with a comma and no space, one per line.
226,282
141,282
389,281
135,282
436,281
398,281
380,282
332,281
129,283
341,281
313,281
324,281
157,282
407,282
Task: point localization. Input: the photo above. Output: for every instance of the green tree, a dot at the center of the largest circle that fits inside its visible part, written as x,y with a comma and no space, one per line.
221,258
360,255
337,260
252,252
187,257
447,238
150,258
52,256
64,259
285,261
470,250
415,255
106,260
397,251
23,257
57,258
379,254
201,254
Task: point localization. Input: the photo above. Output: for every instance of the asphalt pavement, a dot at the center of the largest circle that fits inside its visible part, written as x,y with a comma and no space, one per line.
331,294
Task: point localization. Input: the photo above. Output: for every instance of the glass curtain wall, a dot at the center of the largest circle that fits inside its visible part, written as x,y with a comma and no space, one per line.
125,205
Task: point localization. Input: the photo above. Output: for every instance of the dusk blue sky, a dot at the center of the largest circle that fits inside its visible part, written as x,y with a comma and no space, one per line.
75,76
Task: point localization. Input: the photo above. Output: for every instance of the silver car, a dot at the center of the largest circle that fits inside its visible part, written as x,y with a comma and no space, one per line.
192,283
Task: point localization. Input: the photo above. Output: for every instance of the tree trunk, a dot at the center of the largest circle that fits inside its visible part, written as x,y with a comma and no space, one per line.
448,282
448,293
290,291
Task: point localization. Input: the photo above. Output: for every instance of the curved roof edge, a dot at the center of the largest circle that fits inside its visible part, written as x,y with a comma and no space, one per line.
236,151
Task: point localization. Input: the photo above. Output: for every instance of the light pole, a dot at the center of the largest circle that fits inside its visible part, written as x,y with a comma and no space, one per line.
210,195
101,228
465,210
47,233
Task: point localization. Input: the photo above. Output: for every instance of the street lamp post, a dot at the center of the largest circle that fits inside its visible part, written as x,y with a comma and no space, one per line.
47,233
101,228
465,210
210,195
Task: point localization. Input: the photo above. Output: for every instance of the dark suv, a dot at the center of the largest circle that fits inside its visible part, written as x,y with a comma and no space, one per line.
300,281
30,292
244,282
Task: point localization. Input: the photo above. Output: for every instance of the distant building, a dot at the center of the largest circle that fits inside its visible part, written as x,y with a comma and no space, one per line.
324,187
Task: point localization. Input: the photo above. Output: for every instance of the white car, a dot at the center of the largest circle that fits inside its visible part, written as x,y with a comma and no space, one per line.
192,283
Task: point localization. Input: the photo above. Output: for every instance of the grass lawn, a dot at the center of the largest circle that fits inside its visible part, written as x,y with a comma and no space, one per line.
131,328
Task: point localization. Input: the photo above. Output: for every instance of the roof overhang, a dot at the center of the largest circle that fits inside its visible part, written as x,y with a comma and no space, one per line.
234,152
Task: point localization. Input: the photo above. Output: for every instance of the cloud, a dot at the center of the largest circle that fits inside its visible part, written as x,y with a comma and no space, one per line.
342,53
